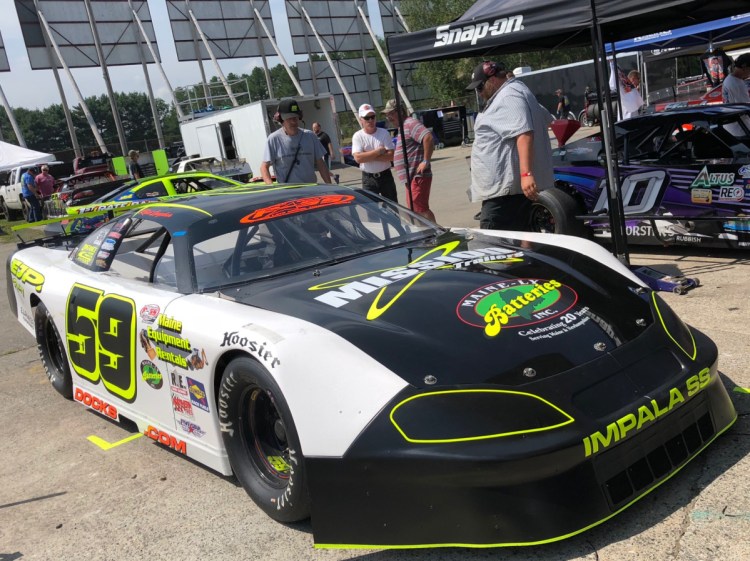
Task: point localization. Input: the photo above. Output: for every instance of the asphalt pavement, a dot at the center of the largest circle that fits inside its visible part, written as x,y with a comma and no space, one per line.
63,497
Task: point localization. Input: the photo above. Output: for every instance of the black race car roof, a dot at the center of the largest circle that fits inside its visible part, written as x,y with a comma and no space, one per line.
231,206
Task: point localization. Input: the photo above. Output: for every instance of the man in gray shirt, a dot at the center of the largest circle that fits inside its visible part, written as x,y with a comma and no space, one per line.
734,88
295,153
511,158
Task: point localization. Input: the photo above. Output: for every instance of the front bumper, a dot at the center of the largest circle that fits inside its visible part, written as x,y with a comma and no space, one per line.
525,489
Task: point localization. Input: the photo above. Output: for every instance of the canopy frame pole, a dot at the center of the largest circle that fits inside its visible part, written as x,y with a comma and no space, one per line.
387,62
105,75
147,78
402,136
146,40
223,79
340,82
85,108
615,208
63,100
289,72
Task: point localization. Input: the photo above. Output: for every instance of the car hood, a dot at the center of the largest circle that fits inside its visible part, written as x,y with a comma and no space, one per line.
466,308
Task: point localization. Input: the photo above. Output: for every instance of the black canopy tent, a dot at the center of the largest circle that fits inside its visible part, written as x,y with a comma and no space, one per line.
495,27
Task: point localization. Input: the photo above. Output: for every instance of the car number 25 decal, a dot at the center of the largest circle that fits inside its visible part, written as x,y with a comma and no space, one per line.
100,332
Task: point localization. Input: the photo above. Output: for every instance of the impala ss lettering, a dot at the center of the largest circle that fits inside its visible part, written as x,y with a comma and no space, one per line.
444,35
646,414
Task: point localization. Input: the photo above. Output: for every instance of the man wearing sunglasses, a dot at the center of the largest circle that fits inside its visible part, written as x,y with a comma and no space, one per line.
372,149
511,158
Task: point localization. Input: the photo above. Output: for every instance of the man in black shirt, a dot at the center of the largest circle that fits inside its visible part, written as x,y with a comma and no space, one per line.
325,140
134,168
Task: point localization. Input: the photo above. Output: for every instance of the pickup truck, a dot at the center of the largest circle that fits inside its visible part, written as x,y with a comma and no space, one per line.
11,199
239,170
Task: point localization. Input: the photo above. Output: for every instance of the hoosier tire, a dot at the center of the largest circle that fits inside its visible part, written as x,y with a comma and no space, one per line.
52,352
261,441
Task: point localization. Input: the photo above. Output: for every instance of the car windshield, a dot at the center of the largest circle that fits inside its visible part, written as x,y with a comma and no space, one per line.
288,237
117,192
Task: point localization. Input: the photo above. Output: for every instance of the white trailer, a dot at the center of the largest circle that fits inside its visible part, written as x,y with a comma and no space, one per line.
241,132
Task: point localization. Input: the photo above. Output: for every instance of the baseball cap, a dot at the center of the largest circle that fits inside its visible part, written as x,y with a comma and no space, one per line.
289,108
390,106
479,76
743,60
365,109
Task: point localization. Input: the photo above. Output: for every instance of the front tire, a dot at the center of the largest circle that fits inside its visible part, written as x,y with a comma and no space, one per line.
554,212
52,352
261,441
10,214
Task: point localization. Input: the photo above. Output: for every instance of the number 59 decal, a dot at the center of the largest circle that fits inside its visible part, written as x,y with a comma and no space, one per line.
100,332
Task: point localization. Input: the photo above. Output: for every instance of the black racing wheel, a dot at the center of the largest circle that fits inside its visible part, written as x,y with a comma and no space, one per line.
261,441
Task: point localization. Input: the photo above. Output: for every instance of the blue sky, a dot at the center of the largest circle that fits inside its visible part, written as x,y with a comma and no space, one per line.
28,88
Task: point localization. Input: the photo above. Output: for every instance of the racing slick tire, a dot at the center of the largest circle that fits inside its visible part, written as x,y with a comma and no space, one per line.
554,212
261,441
584,119
52,352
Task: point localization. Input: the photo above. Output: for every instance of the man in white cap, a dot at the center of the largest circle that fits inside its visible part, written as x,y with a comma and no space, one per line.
295,153
372,149
511,157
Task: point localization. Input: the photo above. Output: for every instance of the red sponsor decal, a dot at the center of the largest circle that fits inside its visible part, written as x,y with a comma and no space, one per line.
155,212
93,402
295,207
166,439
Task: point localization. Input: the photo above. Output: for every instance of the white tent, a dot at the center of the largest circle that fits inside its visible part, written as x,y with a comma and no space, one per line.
12,156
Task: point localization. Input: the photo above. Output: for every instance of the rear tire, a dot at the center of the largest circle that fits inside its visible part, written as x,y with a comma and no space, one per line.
52,352
261,441
554,212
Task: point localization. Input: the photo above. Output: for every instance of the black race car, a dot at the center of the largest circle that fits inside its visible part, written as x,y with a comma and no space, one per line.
402,384
684,179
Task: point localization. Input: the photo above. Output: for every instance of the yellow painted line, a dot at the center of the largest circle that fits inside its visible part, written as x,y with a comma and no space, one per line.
104,445
739,389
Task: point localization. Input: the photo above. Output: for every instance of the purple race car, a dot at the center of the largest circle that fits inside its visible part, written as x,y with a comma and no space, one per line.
684,179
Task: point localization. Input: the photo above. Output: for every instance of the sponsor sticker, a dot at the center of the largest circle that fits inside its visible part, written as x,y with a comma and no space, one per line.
295,207
734,193
149,313
700,196
191,428
514,304
705,178
181,405
197,393
151,374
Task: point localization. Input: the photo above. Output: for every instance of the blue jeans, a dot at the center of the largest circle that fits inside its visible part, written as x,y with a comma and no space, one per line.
35,208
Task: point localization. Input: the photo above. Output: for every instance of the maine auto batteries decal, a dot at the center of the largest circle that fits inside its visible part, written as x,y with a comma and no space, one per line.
518,303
